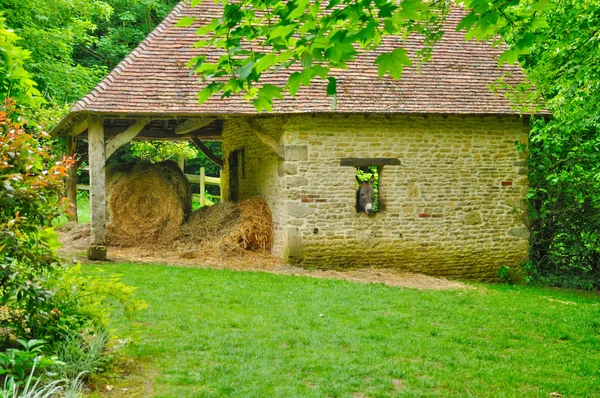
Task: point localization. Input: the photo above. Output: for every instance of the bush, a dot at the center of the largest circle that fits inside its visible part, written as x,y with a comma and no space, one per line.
30,176
40,298
565,203
20,364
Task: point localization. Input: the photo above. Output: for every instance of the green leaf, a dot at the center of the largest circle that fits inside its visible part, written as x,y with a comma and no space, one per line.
204,30
265,62
332,86
294,82
389,26
244,71
261,104
467,22
265,97
411,9
393,63
208,91
300,7
185,22
306,60
282,31
270,91
318,70
196,2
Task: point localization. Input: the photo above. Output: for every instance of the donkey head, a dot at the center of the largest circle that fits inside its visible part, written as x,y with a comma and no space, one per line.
364,197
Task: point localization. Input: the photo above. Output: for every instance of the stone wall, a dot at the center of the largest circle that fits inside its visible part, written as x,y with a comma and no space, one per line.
258,169
453,207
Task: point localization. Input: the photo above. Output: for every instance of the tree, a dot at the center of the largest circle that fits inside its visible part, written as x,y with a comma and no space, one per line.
72,44
15,81
320,36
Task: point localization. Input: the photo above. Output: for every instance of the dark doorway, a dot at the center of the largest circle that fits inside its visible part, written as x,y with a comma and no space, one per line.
234,163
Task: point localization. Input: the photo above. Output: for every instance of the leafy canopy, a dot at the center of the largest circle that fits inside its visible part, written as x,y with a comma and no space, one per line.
322,37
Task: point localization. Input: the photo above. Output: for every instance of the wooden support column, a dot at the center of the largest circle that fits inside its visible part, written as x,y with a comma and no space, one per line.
202,187
72,179
97,158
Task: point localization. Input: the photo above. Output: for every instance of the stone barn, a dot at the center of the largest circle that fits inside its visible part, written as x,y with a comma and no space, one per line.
451,181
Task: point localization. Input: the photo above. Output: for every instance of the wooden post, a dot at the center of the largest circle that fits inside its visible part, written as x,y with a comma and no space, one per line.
72,179
181,163
220,187
97,158
202,175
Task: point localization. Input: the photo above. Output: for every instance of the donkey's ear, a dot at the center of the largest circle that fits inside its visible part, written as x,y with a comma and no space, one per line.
372,180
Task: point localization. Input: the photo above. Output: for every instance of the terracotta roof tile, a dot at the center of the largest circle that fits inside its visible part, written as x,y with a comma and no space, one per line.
153,79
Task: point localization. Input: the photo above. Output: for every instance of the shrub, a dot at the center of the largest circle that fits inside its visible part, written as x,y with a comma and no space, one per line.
565,204
30,176
20,364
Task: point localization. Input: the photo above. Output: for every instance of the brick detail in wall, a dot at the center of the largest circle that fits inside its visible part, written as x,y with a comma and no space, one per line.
312,199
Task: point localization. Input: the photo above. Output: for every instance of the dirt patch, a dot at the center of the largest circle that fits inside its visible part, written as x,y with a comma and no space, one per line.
127,378
76,240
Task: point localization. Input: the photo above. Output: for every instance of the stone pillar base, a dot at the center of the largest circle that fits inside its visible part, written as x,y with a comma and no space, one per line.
97,252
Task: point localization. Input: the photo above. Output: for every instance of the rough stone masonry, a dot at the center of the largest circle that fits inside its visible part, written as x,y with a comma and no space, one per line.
453,207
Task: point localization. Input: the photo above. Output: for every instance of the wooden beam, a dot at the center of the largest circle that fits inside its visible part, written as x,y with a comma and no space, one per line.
264,137
192,124
125,136
211,156
72,179
361,162
97,159
79,128
208,180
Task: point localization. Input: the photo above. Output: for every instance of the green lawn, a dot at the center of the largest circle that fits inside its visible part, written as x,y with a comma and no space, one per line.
246,334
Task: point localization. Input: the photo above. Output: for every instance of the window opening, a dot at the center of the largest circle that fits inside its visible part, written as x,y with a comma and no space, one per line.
367,189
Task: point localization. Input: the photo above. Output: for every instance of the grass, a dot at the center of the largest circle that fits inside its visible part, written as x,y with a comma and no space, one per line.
83,211
246,334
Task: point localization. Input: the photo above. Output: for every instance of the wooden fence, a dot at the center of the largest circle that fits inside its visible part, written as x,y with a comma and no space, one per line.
201,179
204,180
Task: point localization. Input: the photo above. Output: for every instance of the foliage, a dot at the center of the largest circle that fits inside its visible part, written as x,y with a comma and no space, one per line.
565,205
192,166
30,176
35,390
52,30
42,298
91,304
129,23
565,149
74,43
20,364
15,81
322,37
159,151
81,356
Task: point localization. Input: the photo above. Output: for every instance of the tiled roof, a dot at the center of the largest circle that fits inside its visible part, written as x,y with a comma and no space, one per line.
153,79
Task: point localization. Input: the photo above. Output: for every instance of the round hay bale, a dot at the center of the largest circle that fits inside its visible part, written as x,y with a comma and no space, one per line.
211,223
255,229
146,202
